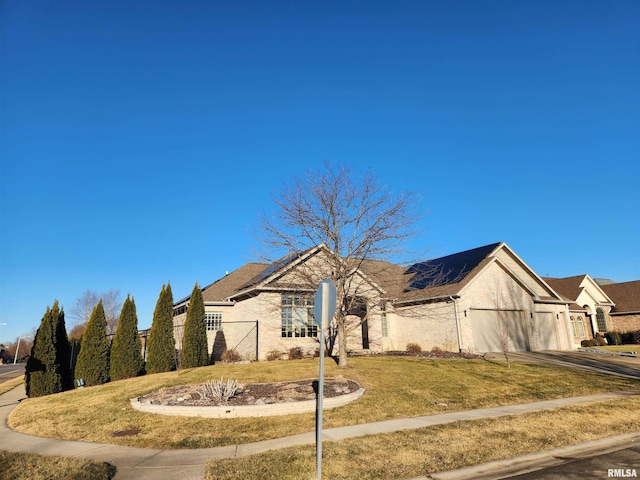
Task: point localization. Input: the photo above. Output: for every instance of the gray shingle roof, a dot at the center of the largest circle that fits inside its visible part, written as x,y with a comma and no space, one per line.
626,296
436,278
568,288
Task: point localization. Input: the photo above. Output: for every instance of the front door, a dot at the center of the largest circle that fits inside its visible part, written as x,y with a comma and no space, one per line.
365,334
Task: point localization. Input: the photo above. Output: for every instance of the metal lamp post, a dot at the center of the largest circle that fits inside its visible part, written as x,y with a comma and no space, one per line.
15,358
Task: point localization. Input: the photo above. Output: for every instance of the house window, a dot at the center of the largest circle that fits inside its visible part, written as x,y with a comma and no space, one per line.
580,325
297,316
573,326
384,323
601,320
214,320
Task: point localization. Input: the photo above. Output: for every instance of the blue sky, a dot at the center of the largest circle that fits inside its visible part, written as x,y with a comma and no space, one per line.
140,141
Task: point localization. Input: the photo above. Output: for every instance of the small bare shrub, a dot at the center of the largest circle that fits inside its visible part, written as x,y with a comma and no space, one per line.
295,353
599,340
274,355
414,348
436,351
218,391
231,356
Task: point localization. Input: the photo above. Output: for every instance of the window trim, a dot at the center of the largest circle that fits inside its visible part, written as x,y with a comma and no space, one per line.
384,322
213,319
581,330
601,320
296,316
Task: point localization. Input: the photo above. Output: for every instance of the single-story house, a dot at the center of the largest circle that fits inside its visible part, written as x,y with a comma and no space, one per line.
589,308
625,314
478,300
598,308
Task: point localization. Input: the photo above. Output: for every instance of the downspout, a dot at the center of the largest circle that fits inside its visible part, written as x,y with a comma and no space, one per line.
257,341
455,310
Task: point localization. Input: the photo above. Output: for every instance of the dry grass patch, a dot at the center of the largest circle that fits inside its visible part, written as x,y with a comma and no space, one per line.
10,384
397,387
424,451
623,348
28,466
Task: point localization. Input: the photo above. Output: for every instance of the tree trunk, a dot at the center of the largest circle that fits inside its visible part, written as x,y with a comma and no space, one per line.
342,343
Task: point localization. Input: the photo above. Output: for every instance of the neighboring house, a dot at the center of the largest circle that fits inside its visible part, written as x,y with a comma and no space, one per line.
625,315
590,306
468,301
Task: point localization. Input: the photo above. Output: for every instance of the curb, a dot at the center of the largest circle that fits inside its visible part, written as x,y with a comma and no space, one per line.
238,411
533,462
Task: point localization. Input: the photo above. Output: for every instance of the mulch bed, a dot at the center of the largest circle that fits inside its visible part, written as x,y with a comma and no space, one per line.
252,393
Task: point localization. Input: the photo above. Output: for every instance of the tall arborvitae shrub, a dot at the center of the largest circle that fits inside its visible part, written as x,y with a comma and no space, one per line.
161,346
195,352
93,360
62,346
126,348
42,374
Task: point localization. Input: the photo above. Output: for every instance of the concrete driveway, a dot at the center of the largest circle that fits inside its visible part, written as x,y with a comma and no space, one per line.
592,362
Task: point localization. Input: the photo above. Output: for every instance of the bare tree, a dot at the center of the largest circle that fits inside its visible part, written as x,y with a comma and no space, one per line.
502,330
357,218
80,311
112,303
506,323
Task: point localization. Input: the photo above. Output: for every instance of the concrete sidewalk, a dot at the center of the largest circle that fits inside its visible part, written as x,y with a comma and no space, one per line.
142,463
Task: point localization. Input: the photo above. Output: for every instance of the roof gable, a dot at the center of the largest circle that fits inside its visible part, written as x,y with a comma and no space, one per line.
454,273
281,274
580,289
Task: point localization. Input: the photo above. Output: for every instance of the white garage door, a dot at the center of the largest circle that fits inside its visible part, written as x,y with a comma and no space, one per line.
545,331
486,331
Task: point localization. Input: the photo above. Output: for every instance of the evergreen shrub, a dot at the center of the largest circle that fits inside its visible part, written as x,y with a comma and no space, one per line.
161,344
92,366
126,349
195,349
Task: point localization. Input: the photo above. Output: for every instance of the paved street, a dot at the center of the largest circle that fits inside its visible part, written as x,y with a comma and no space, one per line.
624,463
7,372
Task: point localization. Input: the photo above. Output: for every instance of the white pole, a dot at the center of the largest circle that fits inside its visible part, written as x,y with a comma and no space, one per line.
15,357
319,408
324,309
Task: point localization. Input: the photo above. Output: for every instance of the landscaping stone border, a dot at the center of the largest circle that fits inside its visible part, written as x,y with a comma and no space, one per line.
239,411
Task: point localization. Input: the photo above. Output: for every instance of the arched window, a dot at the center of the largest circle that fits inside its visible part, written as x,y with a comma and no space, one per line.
573,326
601,320
580,325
